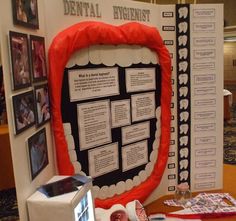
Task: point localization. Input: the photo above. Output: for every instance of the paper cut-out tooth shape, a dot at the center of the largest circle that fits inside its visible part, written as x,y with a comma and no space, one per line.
103,192
67,128
183,78
183,175
183,164
95,191
73,156
183,140
120,187
183,91
183,65
77,167
116,212
184,116
129,184
183,128
183,12
183,27
183,53
70,142
183,104
136,211
182,40
184,152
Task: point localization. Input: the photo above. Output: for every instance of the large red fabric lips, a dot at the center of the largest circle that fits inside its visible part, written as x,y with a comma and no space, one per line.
83,35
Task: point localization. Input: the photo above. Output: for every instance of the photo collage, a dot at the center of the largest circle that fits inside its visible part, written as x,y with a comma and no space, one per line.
29,78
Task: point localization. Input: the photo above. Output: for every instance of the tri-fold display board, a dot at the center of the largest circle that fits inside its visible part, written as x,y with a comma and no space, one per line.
136,96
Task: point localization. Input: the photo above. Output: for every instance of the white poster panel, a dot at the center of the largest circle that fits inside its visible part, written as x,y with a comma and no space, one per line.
134,155
93,83
94,123
143,106
120,113
135,132
206,96
103,160
140,79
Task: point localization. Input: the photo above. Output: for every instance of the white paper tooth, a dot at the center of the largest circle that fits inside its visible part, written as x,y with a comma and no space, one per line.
154,58
103,192
82,173
183,104
73,156
149,168
153,156
80,57
136,181
183,164
183,91
158,112
154,145
67,128
146,55
121,54
183,140
183,78
95,191
183,53
120,186
183,65
183,128
83,57
184,116
72,60
183,27
107,55
157,142
158,132
184,152
94,54
70,142
182,40
128,184
183,12
136,54
183,175
112,190
142,175
77,166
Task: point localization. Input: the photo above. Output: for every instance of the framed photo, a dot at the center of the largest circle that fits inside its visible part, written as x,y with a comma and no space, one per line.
38,55
38,152
24,111
42,104
20,60
25,13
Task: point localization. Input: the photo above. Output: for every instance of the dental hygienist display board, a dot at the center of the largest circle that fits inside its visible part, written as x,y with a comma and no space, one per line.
113,128
194,39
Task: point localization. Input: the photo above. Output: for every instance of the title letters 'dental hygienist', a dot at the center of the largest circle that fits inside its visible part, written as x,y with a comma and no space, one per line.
92,10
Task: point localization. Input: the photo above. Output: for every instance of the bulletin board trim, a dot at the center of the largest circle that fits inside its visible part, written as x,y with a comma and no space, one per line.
83,35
